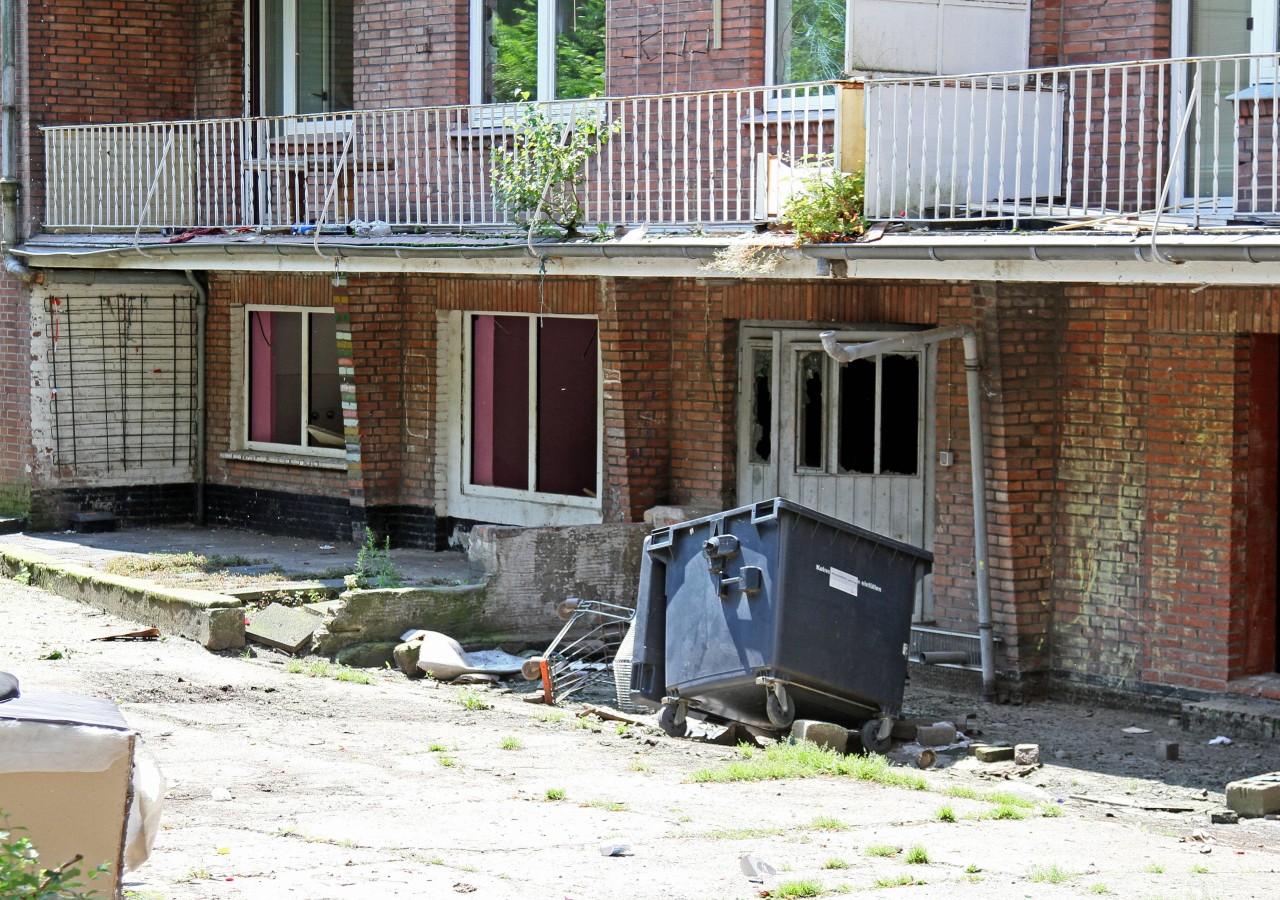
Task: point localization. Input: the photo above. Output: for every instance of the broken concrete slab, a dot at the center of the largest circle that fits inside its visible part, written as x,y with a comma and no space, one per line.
287,628
216,621
939,734
406,656
1026,754
988,753
825,734
1256,796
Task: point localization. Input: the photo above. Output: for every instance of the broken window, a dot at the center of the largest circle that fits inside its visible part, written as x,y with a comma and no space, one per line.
534,404
761,405
808,40
811,403
294,394
540,49
879,415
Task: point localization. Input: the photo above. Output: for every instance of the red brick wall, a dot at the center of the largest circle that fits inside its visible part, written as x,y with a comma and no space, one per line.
668,46
1021,329
378,344
15,397
411,53
224,381
1192,491
219,35
1099,486
93,61
635,347
1070,32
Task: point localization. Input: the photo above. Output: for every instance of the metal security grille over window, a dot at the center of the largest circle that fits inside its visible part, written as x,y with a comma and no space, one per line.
122,382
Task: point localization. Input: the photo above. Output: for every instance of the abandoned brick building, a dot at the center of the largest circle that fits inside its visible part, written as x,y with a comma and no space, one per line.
255,275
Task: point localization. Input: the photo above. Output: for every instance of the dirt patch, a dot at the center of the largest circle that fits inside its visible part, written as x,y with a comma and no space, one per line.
400,788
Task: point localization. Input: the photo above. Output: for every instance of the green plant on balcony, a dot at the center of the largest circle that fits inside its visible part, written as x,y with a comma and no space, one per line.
536,177
826,207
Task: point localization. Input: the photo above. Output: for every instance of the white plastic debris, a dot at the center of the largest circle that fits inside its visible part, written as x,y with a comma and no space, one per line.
615,848
1221,739
220,793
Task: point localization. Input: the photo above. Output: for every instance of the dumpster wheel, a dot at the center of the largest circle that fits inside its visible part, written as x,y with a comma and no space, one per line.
870,733
779,705
672,720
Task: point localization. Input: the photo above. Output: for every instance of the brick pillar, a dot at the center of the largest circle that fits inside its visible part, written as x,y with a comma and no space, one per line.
635,350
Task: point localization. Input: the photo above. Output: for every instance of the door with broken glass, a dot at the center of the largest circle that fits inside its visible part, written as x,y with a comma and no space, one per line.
850,440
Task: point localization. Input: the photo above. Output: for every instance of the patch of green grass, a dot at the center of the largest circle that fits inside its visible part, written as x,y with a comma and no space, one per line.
472,700
352,676
553,717
1155,868
835,863
1050,874
742,834
447,761
971,869
145,894
1051,811
640,765
197,875
1004,811
511,742
896,881
791,889
883,850
54,654
436,747
1099,889
555,793
1199,869
609,805
945,814
623,728
828,823
917,856
22,576
1007,798
805,759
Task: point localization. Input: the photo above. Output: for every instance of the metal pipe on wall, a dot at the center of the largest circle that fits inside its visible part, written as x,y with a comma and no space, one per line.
977,464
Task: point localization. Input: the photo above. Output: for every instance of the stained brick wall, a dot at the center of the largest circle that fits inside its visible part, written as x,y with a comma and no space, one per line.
635,345
219,35
1070,32
411,53
15,398
669,46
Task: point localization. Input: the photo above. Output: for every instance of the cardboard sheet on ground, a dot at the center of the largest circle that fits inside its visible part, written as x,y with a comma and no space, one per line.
445,660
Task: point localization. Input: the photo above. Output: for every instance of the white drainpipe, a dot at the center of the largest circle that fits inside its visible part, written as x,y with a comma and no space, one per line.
977,463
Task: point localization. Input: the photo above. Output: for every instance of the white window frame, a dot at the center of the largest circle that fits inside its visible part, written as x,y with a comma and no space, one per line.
246,392
468,490
337,122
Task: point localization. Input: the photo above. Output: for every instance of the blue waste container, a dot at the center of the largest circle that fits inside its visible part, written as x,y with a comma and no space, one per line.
772,612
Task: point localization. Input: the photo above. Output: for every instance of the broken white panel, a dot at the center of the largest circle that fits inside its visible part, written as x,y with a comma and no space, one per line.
936,37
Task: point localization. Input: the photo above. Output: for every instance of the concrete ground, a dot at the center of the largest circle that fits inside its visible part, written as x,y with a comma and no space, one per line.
295,556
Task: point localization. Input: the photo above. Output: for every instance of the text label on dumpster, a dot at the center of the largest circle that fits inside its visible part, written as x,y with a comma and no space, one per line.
843,581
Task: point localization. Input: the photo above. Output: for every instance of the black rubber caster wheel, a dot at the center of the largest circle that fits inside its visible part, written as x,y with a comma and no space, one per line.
870,735
779,706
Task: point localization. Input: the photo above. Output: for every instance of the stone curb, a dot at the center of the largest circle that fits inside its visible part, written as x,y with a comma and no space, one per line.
215,620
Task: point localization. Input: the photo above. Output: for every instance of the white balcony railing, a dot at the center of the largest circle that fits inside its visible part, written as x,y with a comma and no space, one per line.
689,159
1191,136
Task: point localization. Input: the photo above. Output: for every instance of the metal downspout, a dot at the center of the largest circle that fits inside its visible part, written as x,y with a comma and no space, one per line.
8,135
977,463
202,315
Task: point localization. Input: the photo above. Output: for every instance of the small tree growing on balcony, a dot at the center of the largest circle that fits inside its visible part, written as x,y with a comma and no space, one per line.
827,208
536,177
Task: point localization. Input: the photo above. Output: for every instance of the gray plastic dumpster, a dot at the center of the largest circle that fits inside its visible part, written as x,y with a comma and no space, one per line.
770,612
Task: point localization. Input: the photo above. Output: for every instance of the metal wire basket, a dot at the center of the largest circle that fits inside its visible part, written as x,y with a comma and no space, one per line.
583,652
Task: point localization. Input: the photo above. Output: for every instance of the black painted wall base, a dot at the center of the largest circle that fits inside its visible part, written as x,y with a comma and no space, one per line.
133,506
323,518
